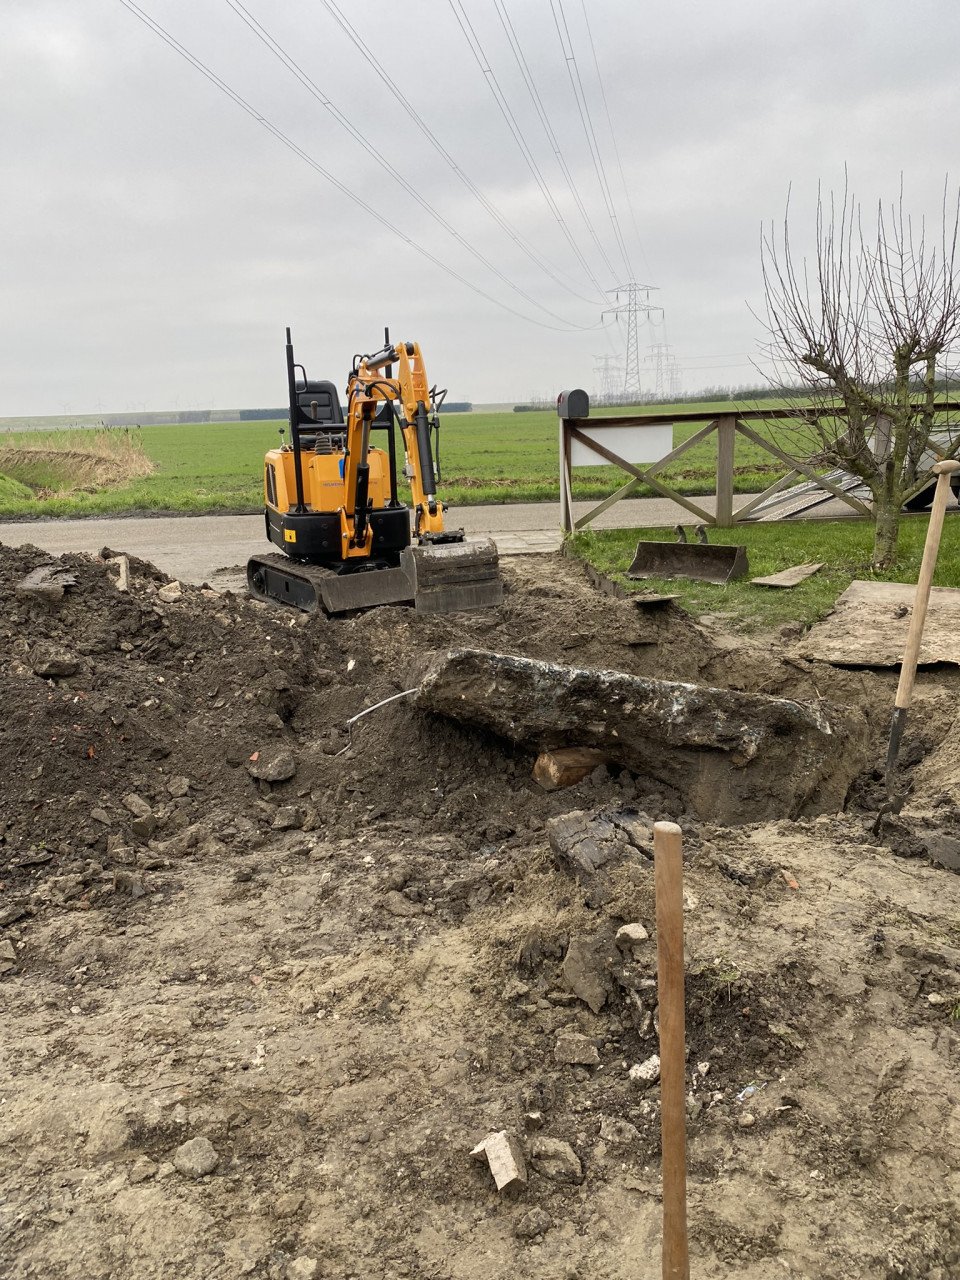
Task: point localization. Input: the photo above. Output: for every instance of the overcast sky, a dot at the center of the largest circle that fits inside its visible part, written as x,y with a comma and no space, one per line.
156,239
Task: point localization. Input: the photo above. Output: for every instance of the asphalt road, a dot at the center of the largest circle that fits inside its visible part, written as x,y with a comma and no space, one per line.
200,548
205,548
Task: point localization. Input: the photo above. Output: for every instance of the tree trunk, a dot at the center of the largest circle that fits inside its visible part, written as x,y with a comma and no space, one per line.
886,531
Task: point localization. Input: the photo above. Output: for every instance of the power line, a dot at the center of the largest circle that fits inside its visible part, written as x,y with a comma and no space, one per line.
548,129
583,107
613,134
279,52
520,240
281,137
483,62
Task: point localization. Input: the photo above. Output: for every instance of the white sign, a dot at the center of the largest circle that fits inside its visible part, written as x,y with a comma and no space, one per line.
632,444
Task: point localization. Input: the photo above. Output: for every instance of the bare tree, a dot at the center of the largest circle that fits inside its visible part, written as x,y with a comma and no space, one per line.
869,328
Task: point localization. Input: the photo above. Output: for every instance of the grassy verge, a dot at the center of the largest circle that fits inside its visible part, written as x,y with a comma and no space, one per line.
496,457
844,546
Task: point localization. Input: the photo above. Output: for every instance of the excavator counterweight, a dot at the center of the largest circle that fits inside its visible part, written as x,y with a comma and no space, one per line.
331,503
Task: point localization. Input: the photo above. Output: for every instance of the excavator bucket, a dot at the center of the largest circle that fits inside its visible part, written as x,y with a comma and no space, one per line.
447,577
699,561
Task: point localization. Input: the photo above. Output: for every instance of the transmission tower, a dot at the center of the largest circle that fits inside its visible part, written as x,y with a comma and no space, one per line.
664,367
606,372
633,307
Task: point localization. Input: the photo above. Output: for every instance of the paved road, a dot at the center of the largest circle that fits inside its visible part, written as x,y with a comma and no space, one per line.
197,548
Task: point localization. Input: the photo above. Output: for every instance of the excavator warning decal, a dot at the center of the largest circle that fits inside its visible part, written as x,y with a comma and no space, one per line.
289,535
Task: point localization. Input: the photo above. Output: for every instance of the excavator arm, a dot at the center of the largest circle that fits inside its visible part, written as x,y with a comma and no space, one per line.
371,383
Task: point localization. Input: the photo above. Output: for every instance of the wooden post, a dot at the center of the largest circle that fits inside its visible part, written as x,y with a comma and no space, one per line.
566,485
726,448
668,876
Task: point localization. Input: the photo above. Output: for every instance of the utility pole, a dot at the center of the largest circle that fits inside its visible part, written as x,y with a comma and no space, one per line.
606,371
659,357
633,306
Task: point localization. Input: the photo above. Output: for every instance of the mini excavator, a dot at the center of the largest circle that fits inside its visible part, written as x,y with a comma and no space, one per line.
331,500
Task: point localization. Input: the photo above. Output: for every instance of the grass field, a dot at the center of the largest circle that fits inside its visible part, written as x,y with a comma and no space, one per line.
843,545
496,457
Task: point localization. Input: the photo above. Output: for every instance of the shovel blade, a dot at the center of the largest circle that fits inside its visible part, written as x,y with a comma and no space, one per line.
714,563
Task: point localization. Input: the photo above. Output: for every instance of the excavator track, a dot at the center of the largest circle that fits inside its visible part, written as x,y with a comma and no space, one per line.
436,578
276,579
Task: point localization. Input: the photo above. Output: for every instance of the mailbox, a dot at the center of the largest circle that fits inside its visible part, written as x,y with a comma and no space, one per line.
573,404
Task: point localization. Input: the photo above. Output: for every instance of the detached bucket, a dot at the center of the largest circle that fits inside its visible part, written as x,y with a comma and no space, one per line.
694,560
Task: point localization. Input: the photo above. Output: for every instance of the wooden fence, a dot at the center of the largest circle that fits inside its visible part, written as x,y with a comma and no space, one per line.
727,426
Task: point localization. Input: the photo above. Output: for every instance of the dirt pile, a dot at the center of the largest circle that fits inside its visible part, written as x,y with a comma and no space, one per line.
267,981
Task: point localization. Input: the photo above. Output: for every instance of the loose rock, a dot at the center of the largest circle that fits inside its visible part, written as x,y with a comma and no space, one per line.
536,1222
196,1158
555,1159
272,765
504,1155
646,1072
576,1050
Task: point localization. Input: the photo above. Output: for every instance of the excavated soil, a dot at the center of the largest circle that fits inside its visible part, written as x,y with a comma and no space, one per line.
267,979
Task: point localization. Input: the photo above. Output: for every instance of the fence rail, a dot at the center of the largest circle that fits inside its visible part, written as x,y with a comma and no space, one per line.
727,427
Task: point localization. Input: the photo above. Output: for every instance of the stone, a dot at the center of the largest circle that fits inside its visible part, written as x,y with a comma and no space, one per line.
142,1170
289,817
48,583
131,883
178,786
144,827
734,756
566,766
584,973
747,1120
52,661
646,1072
503,1154
303,1268
288,1203
137,805
272,765
170,593
398,905
195,1158
8,956
630,937
535,1222
576,1050
555,1159
619,1133
101,815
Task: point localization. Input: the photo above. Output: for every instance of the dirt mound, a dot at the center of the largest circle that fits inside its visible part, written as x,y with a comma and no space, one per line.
267,980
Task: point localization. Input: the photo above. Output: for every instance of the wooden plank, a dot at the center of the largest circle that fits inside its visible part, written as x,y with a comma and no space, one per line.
806,470
745,415
789,577
681,448
868,627
623,492
726,450
566,487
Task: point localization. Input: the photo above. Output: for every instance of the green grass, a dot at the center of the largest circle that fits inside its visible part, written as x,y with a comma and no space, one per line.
844,546
486,457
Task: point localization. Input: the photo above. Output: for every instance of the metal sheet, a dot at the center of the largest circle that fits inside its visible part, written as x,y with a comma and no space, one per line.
868,627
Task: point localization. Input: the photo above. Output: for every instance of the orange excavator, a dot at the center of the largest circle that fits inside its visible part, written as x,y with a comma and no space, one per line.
332,505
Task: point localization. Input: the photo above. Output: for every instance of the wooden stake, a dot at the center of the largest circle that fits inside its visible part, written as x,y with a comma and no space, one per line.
668,873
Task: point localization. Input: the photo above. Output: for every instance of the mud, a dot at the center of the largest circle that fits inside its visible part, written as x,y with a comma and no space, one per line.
267,980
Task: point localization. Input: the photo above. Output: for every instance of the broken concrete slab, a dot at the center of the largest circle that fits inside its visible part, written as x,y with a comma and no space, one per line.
48,582
585,972
503,1154
789,577
735,757
869,623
